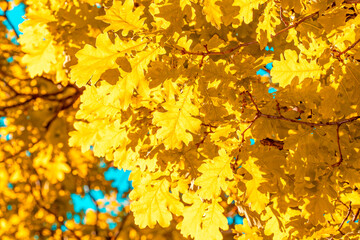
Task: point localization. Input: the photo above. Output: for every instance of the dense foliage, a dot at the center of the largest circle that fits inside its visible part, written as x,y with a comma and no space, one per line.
169,90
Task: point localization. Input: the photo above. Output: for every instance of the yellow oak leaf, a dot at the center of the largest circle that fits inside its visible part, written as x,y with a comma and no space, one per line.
39,57
122,17
273,224
353,197
124,88
93,62
221,132
212,12
247,232
85,135
203,220
184,3
177,120
351,175
257,199
38,18
124,156
313,47
315,207
154,203
94,104
213,221
193,215
291,66
268,21
104,135
37,42
324,232
246,9
215,172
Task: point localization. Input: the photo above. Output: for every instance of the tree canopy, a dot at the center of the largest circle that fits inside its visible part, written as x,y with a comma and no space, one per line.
169,90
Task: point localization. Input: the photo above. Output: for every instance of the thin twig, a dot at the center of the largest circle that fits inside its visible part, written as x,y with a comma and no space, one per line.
356,215
59,219
282,17
352,1
311,124
97,212
278,108
63,106
295,24
8,20
346,217
20,151
123,220
253,101
18,104
248,127
338,142
349,47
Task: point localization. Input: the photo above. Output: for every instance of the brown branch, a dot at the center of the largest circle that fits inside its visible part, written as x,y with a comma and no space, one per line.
8,20
63,106
20,151
9,86
59,219
346,217
248,127
123,220
338,142
253,101
64,102
96,227
7,74
282,18
349,47
203,139
356,215
278,108
18,104
295,24
311,124
47,95
351,1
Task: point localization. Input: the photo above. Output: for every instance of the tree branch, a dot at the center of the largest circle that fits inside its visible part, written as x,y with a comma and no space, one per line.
96,227
356,215
351,1
123,220
8,20
282,17
338,142
295,24
259,114
59,219
346,217
311,124
63,106
20,151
